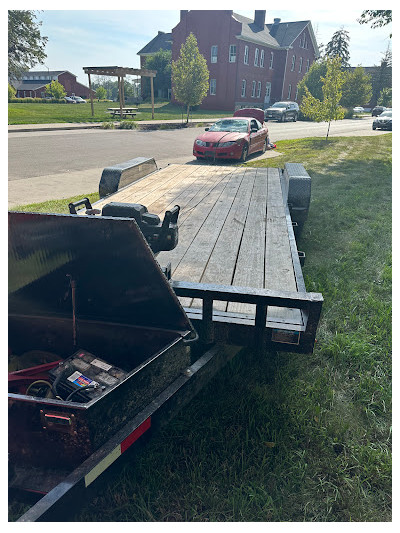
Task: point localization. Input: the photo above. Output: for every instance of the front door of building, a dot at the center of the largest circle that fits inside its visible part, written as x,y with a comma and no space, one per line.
267,96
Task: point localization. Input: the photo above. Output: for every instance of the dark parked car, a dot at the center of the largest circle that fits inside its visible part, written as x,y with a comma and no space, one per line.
378,110
383,122
282,111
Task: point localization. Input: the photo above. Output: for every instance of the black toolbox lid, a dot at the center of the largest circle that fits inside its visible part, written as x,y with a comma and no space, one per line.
117,276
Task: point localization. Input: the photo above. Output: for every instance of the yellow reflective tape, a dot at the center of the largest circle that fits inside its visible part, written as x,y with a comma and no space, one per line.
103,465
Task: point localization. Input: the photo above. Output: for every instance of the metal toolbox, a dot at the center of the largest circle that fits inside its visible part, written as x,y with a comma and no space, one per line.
86,289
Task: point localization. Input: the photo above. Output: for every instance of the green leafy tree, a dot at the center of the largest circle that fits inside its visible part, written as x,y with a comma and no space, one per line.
190,75
357,88
11,92
56,90
328,108
338,46
377,17
382,76
161,62
385,98
25,43
313,80
101,93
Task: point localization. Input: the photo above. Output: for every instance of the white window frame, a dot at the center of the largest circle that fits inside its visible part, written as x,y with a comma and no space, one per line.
232,56
253,89
301,64
293,62
271,61
246,55
262,58
243,93
259,89
213,87
256,57
297,93
214,56
289,91
308,65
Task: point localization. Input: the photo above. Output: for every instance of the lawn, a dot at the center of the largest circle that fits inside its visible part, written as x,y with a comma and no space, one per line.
19,113
291,437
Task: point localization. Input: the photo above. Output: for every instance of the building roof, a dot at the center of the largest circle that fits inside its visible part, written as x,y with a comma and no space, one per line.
285,34
162,41
30,85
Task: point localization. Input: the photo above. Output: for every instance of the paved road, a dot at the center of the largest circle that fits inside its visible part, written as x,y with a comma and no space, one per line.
58,164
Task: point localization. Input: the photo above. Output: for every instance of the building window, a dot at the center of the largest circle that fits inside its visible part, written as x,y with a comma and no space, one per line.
213,87
289,91
301,64
232,53
256,54
293,62
214,53
308,65
271,61
246,55
262,58
253,89
297,92
259,89
243,88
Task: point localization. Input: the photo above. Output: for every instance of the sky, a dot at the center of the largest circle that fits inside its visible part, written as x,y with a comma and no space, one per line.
99,36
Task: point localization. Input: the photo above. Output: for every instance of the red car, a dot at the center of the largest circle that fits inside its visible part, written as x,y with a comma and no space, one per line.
233,137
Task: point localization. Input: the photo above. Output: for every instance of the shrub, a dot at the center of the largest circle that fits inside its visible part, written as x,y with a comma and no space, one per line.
127,125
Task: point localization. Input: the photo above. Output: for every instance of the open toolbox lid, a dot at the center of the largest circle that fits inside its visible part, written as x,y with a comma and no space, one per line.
116,275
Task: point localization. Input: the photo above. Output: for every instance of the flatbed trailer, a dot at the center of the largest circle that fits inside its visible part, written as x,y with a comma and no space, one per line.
237,273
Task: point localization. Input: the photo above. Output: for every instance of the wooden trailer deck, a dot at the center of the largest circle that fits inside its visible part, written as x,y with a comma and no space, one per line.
233,230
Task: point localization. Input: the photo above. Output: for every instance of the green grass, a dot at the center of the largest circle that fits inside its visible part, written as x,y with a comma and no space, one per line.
56,113
292,437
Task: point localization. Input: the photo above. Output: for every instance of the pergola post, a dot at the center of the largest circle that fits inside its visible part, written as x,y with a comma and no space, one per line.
91,94
152,96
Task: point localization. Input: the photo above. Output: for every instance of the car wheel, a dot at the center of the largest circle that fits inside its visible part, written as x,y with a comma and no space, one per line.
245,153
283,118
373,127
295,117
264,148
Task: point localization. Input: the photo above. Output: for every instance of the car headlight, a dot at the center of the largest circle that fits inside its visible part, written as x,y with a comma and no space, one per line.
200,142
228,143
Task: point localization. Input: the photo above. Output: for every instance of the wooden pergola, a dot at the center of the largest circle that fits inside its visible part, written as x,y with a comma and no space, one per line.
120,73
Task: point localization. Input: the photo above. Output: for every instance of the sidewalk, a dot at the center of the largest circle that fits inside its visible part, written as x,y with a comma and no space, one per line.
90,125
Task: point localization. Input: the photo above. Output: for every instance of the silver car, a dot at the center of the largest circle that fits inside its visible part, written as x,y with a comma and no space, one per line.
282,111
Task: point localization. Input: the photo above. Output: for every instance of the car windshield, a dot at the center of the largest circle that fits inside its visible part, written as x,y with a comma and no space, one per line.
231,125
386,114
279,104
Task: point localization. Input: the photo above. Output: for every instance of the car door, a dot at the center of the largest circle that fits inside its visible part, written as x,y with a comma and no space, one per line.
257,138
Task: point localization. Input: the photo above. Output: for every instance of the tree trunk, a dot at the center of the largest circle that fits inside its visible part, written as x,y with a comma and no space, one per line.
187,117
327,133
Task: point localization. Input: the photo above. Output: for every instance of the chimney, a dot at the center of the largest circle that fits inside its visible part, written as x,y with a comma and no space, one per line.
183,13
259,18
274,27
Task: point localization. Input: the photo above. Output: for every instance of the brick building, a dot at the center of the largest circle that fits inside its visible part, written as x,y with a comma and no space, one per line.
33,84
251,64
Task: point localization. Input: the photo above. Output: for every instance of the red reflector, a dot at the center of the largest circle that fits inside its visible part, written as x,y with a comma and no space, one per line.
138,432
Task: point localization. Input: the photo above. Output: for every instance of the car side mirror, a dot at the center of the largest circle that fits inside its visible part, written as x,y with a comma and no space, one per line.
206,129
253,130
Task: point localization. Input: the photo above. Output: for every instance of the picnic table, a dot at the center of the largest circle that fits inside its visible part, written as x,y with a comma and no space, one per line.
126,111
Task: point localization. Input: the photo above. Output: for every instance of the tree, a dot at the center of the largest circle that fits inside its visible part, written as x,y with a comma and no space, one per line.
11,92
56,90
161,62
313,79
25,43
377,17
357,88
339,46
101,93
385,98
328,108
190,75
382,76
